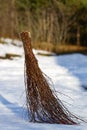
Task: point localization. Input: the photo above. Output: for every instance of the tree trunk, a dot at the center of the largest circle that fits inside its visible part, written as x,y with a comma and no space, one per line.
78,35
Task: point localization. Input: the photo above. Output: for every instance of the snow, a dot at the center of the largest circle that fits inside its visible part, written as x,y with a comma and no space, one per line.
10,46
68,73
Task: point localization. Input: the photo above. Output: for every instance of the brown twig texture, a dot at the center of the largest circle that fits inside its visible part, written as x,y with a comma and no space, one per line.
42,103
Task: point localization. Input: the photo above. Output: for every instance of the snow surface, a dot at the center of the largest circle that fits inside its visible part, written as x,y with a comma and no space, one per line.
69,76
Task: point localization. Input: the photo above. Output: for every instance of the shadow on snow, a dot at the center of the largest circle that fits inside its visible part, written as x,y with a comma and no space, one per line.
17,110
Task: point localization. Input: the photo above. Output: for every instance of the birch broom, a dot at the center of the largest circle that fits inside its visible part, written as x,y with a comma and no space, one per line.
42,103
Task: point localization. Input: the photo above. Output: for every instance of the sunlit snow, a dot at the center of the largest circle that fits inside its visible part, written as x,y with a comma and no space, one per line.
68,74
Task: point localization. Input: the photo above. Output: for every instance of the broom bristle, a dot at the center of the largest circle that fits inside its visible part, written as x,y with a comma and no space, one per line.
42,103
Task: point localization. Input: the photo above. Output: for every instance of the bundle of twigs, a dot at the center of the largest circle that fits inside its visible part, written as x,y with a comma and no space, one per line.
42,102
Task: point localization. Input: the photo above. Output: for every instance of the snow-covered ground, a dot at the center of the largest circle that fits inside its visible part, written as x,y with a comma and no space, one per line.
68,73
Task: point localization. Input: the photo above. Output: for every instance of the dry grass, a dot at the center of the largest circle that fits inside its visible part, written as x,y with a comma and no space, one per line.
9,56
43,46
65,49
60,49
2,41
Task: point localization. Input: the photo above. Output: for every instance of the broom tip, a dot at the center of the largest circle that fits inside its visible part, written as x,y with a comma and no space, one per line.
25,33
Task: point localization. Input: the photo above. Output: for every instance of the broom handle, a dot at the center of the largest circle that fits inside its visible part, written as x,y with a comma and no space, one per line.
26,39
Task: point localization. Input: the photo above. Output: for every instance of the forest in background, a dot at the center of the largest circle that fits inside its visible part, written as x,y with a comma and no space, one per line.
58,22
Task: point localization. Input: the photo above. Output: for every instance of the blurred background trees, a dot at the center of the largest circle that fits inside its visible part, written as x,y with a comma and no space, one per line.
50,21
